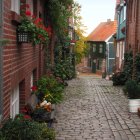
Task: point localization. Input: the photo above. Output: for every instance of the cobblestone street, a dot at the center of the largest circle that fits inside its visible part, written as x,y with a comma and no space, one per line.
95,110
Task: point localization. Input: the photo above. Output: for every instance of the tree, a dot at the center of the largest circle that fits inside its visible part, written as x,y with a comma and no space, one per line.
81,46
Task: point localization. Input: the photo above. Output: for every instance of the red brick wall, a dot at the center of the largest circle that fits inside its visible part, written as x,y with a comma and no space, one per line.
19,62
133,28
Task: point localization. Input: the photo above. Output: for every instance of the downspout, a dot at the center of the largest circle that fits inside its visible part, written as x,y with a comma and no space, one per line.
1,58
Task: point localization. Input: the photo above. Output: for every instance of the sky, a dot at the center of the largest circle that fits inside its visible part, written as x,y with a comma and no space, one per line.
95,11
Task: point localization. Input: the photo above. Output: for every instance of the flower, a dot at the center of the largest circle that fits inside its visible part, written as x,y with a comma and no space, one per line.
49,30
37,21
28,13
34,88
27,117
73,41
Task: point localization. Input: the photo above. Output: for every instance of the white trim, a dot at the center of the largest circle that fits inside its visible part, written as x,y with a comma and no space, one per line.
14,102
109,38
15,6
31,81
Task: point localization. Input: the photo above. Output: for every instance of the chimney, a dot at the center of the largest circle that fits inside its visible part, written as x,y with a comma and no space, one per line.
108,20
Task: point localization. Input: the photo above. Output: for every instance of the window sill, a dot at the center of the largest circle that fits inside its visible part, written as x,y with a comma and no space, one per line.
16,19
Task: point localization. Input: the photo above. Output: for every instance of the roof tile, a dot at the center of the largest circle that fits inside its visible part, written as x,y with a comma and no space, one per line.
103,31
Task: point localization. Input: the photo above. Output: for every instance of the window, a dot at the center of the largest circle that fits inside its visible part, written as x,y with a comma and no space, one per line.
15,6
33,77
124,12
32,80
14,103
101,48
94,47
99,64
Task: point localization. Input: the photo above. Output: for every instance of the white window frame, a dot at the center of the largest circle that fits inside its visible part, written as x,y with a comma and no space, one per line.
15,6
124,12
32,80
14,102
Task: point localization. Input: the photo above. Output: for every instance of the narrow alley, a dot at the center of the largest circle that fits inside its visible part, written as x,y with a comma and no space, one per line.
95,110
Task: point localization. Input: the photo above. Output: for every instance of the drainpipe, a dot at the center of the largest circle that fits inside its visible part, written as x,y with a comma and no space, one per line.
1,57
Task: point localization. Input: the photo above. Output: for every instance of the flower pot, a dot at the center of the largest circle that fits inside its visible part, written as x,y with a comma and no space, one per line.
134,104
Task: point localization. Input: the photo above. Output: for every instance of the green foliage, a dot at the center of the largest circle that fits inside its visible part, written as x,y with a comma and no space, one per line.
119,78
50,89
128,65
137,68
36,29
26,130
41,115
80,46
65,69
132,89
59,12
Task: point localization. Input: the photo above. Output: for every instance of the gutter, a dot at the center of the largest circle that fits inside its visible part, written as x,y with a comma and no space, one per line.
1,58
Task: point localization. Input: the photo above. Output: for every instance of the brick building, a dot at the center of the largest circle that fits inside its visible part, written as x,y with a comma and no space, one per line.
20,64
133,31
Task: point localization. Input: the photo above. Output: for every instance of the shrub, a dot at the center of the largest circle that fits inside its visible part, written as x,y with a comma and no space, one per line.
119,78
48,88
65,69
26,130
132,89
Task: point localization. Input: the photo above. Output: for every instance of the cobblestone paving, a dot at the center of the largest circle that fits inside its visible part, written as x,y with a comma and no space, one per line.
95,110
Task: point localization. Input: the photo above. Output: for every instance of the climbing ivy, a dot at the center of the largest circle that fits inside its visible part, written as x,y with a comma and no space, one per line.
59,12
128,65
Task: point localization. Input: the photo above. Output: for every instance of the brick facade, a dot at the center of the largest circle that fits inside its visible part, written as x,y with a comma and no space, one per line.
133,29
19,61
133,26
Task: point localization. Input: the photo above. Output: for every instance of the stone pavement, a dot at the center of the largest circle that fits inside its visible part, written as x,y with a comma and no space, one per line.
95,110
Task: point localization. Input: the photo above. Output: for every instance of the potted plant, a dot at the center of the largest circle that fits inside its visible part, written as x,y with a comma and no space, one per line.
133,91
32,29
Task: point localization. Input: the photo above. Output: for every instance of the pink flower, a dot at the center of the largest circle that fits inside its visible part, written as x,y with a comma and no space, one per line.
27,117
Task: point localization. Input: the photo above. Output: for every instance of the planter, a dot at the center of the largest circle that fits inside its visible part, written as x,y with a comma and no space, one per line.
53,111
134,104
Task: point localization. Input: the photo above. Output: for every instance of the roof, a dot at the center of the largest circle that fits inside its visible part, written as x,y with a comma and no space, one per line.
103,31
